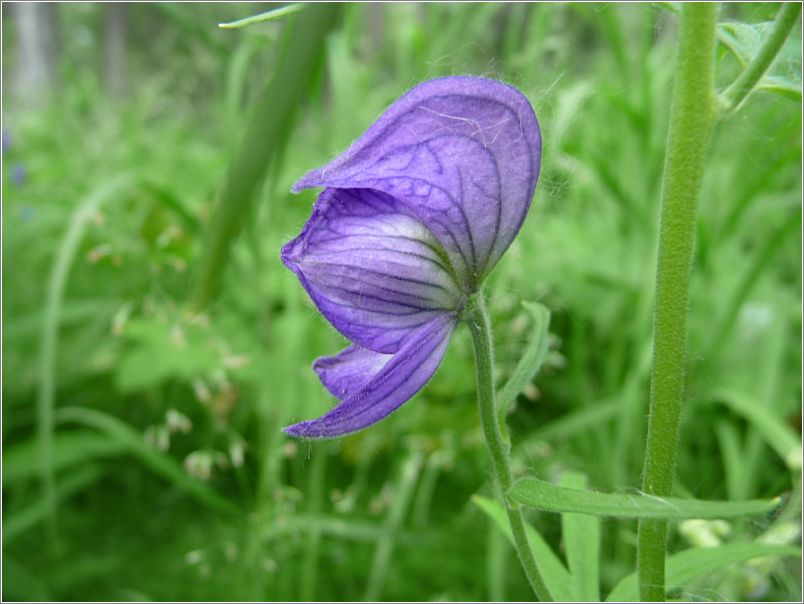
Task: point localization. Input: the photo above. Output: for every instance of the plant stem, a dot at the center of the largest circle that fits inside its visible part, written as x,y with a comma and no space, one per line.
691,120
748,79
477,318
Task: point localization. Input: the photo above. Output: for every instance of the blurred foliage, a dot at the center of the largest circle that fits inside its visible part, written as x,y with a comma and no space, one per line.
172,479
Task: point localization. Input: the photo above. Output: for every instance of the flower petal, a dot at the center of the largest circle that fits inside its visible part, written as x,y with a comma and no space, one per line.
373,271
462,153
350,369
400,378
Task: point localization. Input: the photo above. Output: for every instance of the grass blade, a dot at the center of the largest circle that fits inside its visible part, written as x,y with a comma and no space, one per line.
21,461
582,543
337,527
772,246
776,433
271,15
545,496
690,564
65,255
558,579
381,562
35,513
160,463
268,129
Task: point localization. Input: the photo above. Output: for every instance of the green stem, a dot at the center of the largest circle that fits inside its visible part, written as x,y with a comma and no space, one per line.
691,120
477,318
731,98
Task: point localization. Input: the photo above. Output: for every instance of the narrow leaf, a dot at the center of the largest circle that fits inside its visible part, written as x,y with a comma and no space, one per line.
531,360
30,516
271,15
160,463
582,543
21,461
558,579
549,497
690,564
782,86
776,433
269,125
743,39
346,529
49,335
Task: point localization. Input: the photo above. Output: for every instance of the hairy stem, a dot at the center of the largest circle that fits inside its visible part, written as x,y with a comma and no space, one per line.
478,321
749,78
692,116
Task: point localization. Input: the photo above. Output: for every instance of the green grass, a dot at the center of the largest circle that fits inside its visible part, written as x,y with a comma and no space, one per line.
389,512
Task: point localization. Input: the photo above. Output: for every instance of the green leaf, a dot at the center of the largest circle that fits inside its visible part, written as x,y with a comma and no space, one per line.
271,15
345,529
36,512
782,86
134,442
531,360
558,579
696,562
21,461
744,41
545,496
582,544
109,190
292,84
776,433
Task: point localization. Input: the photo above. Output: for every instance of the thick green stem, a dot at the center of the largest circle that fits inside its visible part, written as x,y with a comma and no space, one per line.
749,78
692,116
478,321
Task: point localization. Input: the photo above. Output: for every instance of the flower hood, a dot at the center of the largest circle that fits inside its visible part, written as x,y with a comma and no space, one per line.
412,218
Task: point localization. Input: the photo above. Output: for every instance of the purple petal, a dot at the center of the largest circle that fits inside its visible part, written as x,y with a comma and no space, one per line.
373,271
399,379
462,153
349,370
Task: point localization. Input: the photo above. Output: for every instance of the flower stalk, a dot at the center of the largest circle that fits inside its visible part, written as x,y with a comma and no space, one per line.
476,317
692,118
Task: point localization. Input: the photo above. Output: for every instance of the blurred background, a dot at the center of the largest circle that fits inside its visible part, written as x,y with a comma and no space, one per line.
154,345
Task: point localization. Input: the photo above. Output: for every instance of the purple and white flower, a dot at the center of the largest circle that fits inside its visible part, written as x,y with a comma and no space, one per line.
412,218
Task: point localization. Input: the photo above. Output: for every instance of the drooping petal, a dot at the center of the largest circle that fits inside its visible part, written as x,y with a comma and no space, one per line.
350,369
373,271
462,153
399,379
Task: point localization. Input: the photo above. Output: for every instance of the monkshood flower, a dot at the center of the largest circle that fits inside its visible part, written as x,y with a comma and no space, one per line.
412,218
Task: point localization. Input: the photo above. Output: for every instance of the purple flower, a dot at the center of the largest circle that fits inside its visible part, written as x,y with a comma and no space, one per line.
411,220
